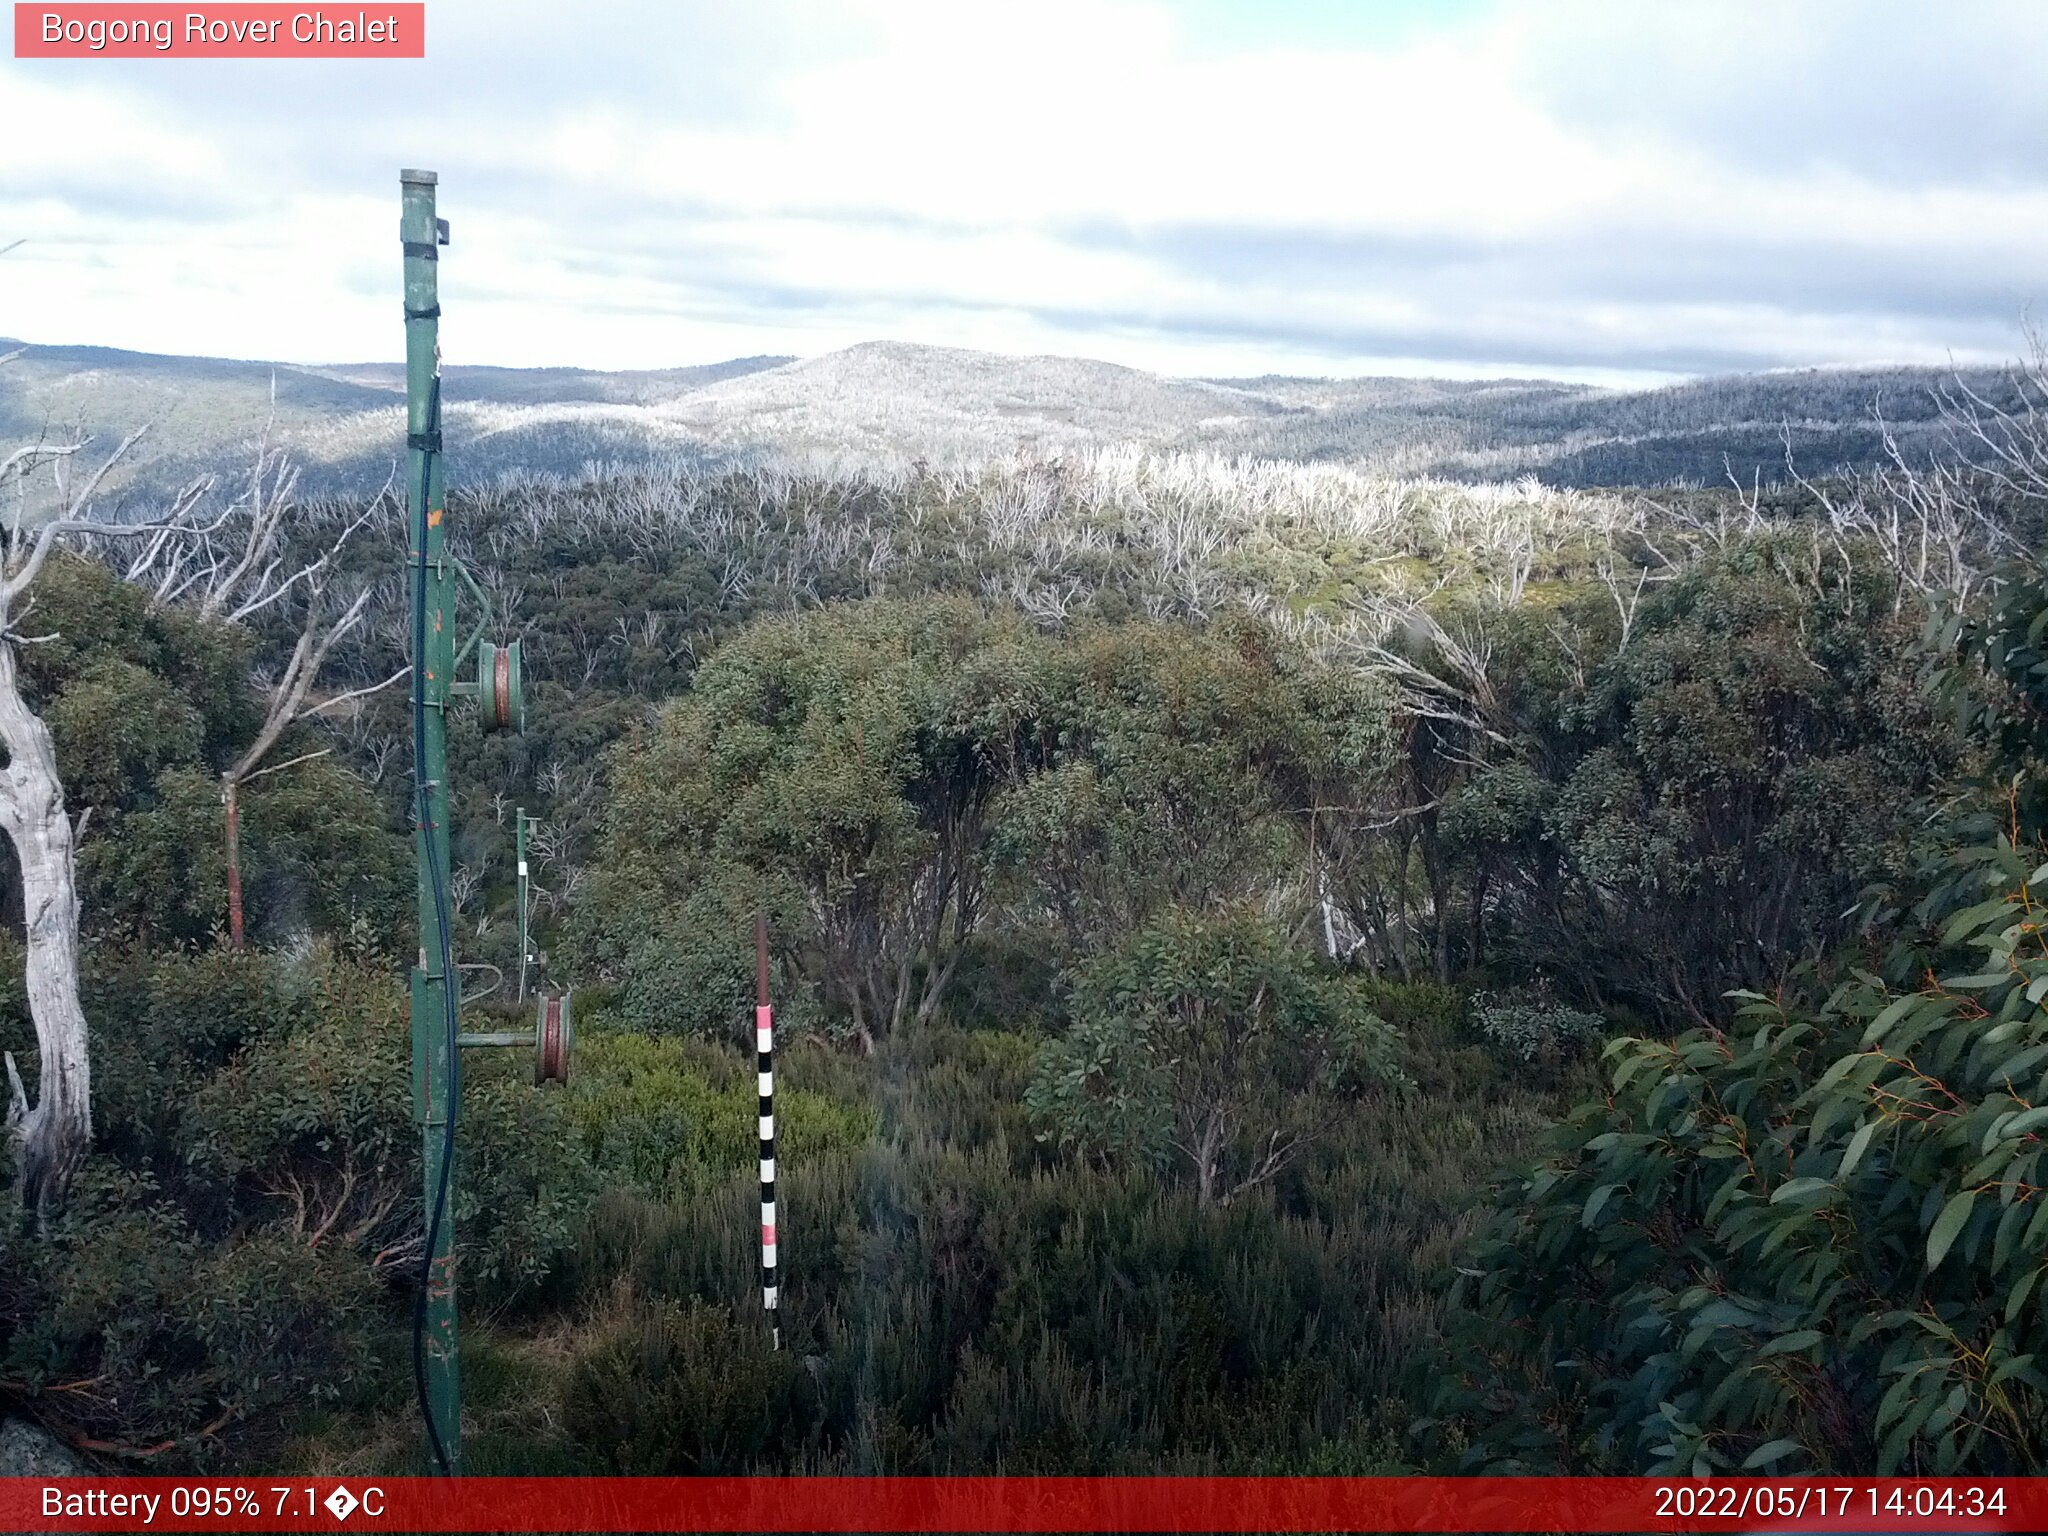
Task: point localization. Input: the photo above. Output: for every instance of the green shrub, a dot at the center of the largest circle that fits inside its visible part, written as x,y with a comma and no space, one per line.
248,1242
667,1113
117,724
1417,1007
670,1389
147,705
965,1301
1007,980
1809,1244
1211,1046
127,1329
1530,1024
1812,1240
311,1125
524,1183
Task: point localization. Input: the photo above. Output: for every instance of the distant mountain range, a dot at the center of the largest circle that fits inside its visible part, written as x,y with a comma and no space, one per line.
344,423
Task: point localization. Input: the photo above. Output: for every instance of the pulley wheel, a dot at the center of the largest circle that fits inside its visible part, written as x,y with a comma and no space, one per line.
500,690
553,1036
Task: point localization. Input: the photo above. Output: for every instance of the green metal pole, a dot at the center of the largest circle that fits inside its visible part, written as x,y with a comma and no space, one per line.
434,1061
525,950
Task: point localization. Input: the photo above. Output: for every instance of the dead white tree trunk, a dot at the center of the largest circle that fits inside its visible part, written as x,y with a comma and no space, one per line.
53,1131
52,1134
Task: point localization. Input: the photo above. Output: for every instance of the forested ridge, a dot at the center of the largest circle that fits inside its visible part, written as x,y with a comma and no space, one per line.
956,408
1284,969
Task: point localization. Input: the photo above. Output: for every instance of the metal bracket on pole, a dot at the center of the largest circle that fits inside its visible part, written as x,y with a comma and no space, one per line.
483,620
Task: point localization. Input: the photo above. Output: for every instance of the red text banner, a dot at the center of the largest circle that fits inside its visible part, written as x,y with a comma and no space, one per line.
220,31
1023,1504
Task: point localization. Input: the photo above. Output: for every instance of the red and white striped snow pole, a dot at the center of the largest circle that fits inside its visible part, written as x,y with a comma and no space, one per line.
764,1048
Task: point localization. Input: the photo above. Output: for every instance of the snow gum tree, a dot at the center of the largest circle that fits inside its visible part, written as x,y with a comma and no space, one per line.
53,1131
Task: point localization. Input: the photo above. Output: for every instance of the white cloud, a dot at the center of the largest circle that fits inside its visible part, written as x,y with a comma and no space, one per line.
1590,185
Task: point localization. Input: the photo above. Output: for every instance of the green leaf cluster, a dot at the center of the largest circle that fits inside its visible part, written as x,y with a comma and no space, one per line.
249,1233
1211,1047
891,780
1813,1239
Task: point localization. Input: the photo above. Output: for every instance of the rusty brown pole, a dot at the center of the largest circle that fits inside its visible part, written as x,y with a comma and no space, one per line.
234,828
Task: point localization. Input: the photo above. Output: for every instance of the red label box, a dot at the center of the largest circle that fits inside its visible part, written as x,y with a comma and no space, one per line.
237,31
926,1506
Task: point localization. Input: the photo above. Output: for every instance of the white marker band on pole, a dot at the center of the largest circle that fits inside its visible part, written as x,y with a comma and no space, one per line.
764,1046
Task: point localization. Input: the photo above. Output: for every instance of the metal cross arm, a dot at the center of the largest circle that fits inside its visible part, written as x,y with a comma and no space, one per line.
551,1038
499,687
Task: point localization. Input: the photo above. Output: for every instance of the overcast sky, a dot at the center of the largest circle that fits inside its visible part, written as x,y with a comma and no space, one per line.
1599,189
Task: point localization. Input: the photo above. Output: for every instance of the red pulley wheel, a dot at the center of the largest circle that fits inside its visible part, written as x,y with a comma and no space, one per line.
500,692
501,689
554,1034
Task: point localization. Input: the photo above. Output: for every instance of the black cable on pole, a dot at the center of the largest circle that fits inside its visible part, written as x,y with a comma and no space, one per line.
423,796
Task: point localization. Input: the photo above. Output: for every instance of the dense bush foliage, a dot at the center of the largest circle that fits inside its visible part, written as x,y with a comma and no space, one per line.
257,1213
891,779
148,704
669,1390
1209,1047
1591,633
959,1297
1530,1024
836,768
1653,812
1812,1239
1649,812
1224,873
658,1112
136,1330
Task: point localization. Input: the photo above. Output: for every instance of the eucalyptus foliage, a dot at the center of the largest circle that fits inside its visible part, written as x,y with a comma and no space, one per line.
1812,1239
147,704
1210,1046
834,769
244,1240
890,780
1531,1025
